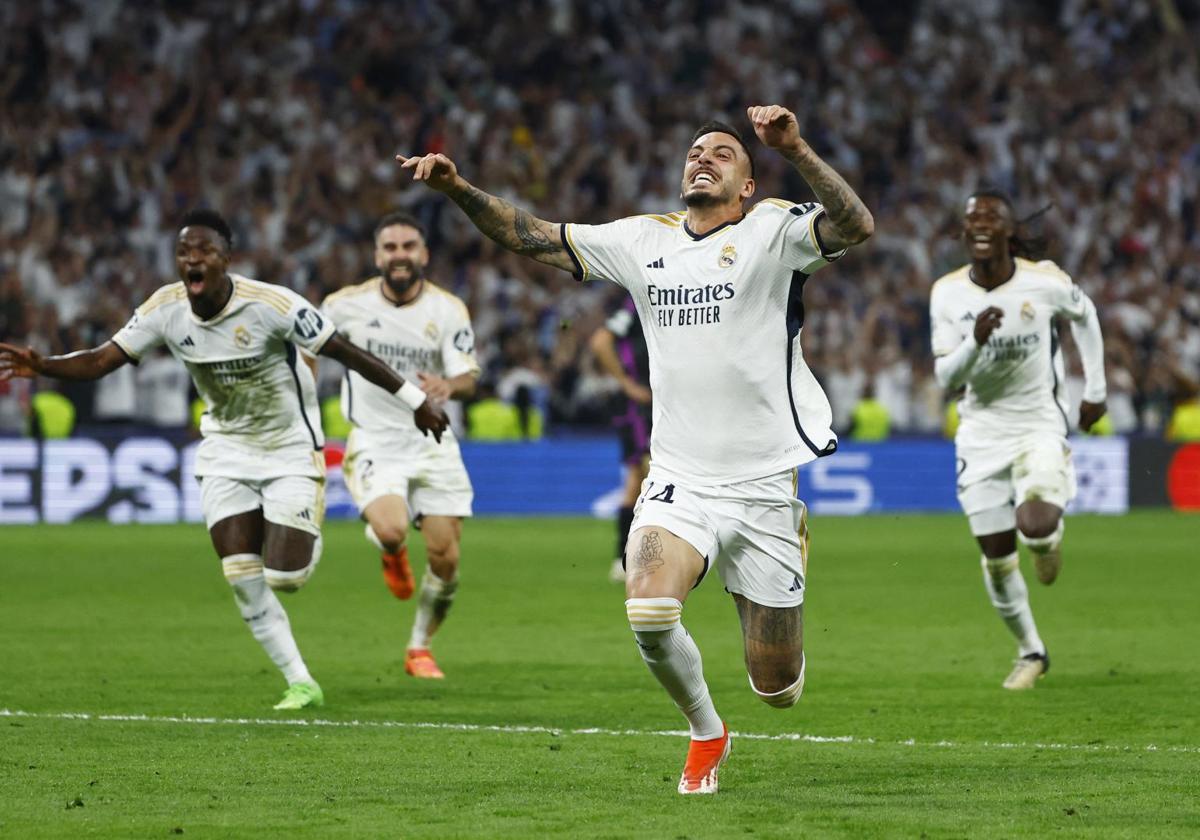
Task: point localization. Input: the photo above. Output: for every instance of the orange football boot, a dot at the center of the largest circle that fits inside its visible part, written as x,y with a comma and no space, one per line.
418,662
398,575
704,758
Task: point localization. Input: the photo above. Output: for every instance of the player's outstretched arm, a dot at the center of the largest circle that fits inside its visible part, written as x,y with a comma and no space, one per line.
428,417
847,221
509,226
81,365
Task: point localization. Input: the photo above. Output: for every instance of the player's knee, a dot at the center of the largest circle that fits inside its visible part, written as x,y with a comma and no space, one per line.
288,580
781,690
1037,519
391,534
443,559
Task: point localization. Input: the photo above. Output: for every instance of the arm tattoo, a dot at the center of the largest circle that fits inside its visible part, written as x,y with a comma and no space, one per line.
510,226
650,554
844,208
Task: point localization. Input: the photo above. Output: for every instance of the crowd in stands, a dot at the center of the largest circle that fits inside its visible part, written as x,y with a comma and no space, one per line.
117,116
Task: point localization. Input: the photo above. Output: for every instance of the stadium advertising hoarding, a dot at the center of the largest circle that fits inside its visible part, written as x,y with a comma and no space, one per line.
149,479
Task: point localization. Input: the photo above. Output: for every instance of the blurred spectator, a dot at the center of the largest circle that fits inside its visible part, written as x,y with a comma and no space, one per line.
116,116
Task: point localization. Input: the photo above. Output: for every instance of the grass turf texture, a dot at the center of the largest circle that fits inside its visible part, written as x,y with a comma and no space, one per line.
902,645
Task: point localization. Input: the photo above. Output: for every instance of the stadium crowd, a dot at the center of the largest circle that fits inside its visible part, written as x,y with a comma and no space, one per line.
116,117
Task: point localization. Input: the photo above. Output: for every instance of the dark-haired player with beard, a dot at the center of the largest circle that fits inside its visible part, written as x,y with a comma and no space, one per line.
994,333
718,290
260,465
395,475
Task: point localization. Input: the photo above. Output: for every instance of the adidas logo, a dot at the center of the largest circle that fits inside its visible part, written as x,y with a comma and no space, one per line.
967,317
795,587
306,514
374,322
187,342
658,263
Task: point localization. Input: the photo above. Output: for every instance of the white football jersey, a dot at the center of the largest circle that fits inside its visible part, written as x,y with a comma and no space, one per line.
261,396
1016,387
722,315
432,334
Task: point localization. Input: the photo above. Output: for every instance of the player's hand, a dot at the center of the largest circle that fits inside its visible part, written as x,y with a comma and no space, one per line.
986,323
436,387
776,127
438,171
17,362
430,418
1090,414
638,393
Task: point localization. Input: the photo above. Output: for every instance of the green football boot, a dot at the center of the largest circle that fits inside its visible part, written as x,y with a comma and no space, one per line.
301,696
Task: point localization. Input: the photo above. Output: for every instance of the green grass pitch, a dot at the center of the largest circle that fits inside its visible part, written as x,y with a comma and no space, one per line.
905,661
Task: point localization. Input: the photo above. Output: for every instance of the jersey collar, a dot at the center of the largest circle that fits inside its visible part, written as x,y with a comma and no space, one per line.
224,310
696,237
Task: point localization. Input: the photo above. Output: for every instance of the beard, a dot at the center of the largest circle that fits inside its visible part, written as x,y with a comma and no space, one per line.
401,287
696,198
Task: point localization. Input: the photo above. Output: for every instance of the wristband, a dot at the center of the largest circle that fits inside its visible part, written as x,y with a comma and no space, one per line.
411,395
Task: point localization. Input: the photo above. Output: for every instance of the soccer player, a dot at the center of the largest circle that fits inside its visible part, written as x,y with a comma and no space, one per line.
620,349
718,290
423,332
994,333
261,470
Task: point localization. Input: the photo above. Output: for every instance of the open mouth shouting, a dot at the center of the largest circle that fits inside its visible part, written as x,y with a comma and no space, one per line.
195,281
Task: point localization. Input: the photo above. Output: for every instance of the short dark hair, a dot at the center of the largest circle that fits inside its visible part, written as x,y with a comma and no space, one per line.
1025,241
725,128
399,217
211,219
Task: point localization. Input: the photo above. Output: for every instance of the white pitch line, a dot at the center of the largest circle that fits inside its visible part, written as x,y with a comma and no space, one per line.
547,730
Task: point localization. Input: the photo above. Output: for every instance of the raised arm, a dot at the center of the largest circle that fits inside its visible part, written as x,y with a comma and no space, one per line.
508,226
429,418
81,365
847,221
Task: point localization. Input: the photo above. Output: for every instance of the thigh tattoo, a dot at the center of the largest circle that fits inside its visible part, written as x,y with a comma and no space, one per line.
649,554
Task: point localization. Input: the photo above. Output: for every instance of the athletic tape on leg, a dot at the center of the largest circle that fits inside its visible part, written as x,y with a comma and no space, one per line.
241,567
653,614
785,698
282,581
1041,545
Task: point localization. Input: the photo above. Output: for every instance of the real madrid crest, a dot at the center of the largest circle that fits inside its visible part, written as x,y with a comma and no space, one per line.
241,337
1027,312
728,256
431,331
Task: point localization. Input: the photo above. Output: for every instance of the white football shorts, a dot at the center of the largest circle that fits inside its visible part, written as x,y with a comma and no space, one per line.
749,530
1040,470
431,477
294,501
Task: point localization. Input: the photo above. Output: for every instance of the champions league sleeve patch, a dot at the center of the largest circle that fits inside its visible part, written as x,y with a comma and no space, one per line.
309,323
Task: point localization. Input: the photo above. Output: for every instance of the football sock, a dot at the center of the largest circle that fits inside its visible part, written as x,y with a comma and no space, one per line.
624,523
264,614
433,603
1006,587
674,660
1041,545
